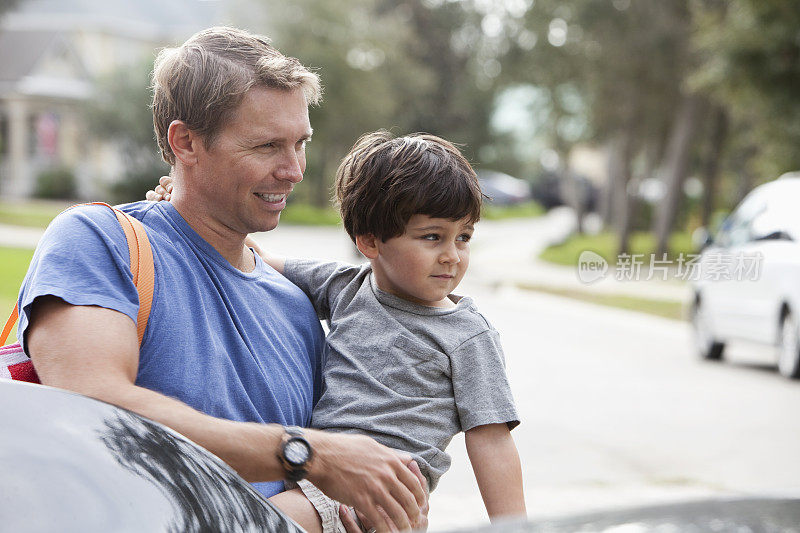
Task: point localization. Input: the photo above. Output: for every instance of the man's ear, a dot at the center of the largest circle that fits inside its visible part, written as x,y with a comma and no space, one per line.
183,141
367,245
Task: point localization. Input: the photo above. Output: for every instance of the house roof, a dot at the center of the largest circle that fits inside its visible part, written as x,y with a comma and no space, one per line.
144,19
41,63
20,51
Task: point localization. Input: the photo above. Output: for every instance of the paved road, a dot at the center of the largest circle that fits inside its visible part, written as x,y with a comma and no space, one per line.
618,412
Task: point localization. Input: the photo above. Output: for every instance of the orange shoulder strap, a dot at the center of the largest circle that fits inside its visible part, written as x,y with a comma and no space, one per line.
142,267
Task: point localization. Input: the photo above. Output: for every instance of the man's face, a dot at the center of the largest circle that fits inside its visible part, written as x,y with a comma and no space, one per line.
244,177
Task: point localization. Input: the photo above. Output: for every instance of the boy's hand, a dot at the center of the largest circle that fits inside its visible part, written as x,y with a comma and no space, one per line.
163,190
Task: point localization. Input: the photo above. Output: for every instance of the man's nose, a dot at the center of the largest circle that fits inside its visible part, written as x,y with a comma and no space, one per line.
291,167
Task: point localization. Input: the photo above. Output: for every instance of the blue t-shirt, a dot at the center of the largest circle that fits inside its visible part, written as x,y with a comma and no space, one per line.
234,345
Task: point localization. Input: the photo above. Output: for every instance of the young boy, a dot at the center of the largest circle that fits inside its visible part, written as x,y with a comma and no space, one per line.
407,362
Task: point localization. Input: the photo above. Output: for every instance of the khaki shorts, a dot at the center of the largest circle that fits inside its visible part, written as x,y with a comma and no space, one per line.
327,508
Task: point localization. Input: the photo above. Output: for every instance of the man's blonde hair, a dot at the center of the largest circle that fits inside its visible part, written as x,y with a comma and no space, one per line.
204,80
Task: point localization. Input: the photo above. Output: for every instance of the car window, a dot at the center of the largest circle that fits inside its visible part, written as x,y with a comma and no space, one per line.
781,214
737,228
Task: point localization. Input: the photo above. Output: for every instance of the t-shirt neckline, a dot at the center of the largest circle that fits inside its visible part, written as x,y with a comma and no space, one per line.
388,299
205,248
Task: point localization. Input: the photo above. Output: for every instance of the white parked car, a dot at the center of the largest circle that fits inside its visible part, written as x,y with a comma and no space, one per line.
748,285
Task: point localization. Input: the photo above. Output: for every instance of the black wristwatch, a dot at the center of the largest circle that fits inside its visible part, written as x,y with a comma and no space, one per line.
295,453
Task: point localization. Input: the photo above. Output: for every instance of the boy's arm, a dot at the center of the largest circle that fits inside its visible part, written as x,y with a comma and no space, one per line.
274,261
497,468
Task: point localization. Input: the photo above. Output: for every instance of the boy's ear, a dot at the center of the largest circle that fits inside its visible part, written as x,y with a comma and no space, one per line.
183,141
367,245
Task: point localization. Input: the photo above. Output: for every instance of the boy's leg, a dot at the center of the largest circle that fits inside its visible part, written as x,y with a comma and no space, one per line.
296,505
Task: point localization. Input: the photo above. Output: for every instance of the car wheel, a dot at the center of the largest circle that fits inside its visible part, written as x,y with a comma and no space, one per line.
707,346
789,347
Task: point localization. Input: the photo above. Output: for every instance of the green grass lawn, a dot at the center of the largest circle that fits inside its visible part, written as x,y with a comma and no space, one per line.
605,244
30,213
663,308
309,215
13,266
525,210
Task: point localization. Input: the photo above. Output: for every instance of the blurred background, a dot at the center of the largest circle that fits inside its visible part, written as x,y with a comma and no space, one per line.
607,125
656,115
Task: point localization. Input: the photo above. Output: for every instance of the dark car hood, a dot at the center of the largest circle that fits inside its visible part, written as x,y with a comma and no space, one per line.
741,515
70,463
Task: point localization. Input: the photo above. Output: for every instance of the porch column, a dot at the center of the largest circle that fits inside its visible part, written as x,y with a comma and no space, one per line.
18,182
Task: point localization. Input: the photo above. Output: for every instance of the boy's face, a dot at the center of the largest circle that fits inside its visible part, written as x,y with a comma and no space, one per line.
428,261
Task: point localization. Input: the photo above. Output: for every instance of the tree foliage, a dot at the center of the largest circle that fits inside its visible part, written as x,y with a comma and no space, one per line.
610,73
751,64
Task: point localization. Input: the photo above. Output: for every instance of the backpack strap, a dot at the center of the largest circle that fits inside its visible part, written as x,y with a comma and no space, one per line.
9,325
142,268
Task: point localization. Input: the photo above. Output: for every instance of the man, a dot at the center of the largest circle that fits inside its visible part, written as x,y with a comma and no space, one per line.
231,352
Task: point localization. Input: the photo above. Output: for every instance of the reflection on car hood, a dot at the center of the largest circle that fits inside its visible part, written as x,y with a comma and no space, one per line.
751,515
70,463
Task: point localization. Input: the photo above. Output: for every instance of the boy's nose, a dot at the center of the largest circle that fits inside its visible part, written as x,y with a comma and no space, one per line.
450,255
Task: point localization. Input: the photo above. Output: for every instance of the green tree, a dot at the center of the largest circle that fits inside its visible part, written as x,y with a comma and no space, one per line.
751,64
120,113
404,66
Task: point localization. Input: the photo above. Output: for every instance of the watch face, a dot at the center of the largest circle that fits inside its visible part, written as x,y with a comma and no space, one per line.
296,452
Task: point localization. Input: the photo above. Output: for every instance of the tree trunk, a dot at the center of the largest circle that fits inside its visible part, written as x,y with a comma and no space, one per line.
622,196
711,171
746,177
676,167
613,170
575,195
321,194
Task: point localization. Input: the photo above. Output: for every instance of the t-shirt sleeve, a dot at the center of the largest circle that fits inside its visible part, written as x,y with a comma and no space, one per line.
321,281
83,259
480,385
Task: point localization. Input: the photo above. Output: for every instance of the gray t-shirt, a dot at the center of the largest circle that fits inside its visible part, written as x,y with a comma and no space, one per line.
408,375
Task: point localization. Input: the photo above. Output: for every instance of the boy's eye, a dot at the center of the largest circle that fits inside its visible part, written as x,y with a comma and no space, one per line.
430,237
464,237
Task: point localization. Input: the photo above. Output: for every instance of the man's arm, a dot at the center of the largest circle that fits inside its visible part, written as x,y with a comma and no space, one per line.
497,469
94,351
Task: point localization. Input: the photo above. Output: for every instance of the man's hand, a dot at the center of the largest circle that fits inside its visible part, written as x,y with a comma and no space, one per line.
163,190
376,480
360,523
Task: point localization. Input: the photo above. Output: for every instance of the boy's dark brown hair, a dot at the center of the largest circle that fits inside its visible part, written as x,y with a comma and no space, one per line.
384,181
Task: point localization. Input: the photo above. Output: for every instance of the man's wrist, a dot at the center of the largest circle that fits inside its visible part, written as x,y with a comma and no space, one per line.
295,453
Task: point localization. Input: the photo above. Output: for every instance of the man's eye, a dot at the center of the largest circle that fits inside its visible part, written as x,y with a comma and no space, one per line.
267,145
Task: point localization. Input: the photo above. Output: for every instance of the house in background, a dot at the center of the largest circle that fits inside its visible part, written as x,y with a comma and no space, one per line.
51,51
